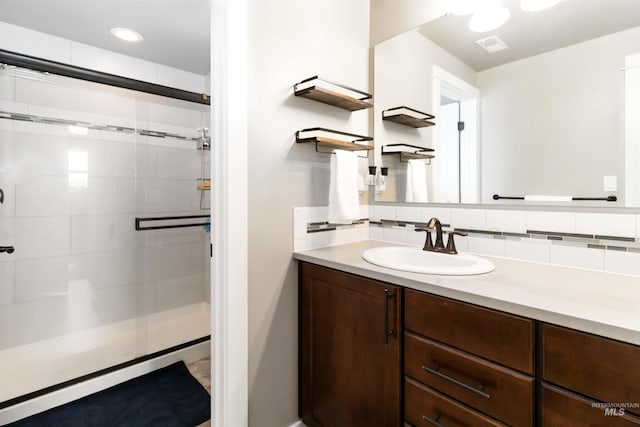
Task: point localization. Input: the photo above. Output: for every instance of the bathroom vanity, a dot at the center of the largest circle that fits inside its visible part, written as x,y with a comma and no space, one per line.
527,344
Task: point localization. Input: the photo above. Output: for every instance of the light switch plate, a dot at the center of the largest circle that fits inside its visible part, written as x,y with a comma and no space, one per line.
610,183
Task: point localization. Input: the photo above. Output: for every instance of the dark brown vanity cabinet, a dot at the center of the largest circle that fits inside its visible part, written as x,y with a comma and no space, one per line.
581,372
462,364
350,350
481,358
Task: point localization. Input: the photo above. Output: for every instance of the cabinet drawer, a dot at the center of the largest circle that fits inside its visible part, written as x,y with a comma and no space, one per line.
562,408
493,389
422,402
607,370
500,337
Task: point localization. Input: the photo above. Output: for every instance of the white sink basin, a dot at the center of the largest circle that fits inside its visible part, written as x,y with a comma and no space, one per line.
416,260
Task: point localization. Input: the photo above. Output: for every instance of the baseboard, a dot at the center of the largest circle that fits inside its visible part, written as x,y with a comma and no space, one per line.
298,424
85,388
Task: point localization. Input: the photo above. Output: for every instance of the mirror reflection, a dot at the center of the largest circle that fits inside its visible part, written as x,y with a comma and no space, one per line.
542,109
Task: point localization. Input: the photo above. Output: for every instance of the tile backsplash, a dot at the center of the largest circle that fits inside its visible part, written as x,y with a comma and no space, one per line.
597,241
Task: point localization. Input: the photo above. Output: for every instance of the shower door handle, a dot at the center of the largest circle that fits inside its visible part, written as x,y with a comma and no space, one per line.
7,249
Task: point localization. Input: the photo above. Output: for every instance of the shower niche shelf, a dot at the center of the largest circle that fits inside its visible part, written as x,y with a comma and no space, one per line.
204,184
406,152
327,140
408,117
331,93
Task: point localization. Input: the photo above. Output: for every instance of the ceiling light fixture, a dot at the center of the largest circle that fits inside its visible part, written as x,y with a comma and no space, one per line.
489,17
536,5
126,34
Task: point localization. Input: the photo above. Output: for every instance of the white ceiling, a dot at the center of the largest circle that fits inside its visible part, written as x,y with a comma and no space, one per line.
532,33
176,32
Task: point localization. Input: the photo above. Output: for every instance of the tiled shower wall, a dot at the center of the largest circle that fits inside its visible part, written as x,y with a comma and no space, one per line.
71,200
598,241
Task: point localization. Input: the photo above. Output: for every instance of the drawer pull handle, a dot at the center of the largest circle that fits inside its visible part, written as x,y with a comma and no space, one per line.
477,390
387,332
433,421
7,249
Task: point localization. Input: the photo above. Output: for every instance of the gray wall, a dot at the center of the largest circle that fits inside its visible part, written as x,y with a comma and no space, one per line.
553,124
404,77
290,40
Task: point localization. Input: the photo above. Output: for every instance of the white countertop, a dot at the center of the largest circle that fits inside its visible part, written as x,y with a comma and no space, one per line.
591,301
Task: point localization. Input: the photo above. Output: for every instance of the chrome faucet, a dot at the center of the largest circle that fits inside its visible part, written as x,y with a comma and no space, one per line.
438,246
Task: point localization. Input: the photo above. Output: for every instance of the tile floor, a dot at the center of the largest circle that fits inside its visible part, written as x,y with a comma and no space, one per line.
201,370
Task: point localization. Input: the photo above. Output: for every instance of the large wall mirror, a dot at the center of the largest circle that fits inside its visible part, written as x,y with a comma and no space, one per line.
545,107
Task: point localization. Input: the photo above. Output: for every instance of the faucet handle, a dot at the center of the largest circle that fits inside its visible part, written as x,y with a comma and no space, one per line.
451,245
428,244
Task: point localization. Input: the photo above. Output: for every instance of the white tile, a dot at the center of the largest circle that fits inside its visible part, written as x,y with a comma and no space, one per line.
606,224
462,243
99,270
91,233
131,195
409,213
42,196
29,42
486,246
300,221
340,236
443,214
176,163
577,257
563,222
7,282
170,195
364,211
468,218
384,212
317,240
168,261
416,238
506,220
533,250
19,325
394,235
360,234
41,278
622,262
376,233
99,196
36,155
94,58
40,237
173,77
319,214
637,226
180,291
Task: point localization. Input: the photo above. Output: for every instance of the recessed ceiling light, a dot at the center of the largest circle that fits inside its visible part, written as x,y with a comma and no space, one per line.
536,5
126,34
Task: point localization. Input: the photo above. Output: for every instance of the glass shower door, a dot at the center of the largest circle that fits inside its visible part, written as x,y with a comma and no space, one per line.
85,290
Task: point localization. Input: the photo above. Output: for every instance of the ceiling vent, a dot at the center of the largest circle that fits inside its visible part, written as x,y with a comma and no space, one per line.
492,44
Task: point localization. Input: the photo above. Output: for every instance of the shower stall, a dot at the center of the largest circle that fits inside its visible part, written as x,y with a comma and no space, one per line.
104,227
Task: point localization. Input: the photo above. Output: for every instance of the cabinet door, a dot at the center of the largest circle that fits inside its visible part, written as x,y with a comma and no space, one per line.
350,350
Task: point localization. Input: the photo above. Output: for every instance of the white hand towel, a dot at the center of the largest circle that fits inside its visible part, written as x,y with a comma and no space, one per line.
344,205
416,182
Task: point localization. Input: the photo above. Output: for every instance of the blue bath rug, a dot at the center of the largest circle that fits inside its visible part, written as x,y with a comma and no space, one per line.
168,397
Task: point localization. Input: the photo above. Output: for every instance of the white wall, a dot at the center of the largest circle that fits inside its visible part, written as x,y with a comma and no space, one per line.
554,123
34,43
404,77
392,17
290,40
